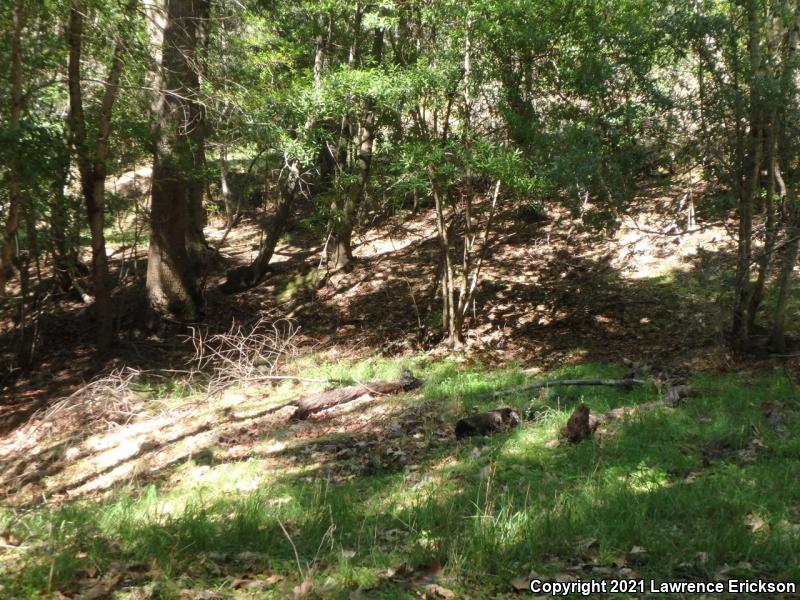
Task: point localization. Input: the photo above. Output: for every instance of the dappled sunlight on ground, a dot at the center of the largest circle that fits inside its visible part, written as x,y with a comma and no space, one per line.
383,484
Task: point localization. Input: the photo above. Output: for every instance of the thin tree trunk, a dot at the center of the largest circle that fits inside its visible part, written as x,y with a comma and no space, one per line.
286,200
757,295
61,245
340,252
92,163
225,189
7,251
451,319
246,277
778,337
751,167
196,243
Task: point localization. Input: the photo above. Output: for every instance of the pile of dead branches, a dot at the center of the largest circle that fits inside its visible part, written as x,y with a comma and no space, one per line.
109,401
244,354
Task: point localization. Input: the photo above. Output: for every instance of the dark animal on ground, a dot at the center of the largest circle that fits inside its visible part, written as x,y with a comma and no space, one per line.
487,423
581,425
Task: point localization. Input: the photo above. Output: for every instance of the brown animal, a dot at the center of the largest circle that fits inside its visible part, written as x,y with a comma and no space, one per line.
581,425
487,423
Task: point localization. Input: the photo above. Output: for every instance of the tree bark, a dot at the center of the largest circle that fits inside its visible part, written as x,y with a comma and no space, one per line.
451,319
314,403
63,246
751,167
778,337
92,162
757,295
286,200
171,291
196,243
7,251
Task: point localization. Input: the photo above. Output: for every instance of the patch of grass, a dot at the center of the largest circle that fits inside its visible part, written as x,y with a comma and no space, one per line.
173,391
488,510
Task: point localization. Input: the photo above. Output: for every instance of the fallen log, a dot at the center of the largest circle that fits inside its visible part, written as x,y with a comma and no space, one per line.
546,384
321,400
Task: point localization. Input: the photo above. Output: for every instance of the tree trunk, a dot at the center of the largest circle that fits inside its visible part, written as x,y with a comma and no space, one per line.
225,190
340,252
62,246
778,337
92,163
751,167
451,319
171,291
196,243
246,277
286,201
7,251
771,227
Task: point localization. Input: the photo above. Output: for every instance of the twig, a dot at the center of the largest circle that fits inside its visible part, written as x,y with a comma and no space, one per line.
546,384
296,555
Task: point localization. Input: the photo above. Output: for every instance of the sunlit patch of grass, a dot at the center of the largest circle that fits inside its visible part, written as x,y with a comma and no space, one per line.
487,509
360,370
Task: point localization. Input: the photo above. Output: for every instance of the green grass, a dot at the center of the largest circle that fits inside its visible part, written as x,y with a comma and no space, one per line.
492,512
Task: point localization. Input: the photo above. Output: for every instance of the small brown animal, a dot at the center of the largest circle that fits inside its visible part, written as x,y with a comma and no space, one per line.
581,425
487,423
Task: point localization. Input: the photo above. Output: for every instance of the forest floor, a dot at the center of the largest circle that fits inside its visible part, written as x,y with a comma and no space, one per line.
149,477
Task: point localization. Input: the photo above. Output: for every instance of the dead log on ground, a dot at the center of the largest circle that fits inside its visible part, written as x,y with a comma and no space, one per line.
321,400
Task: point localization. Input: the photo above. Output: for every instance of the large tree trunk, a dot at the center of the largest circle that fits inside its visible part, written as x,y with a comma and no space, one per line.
171,291
12,220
